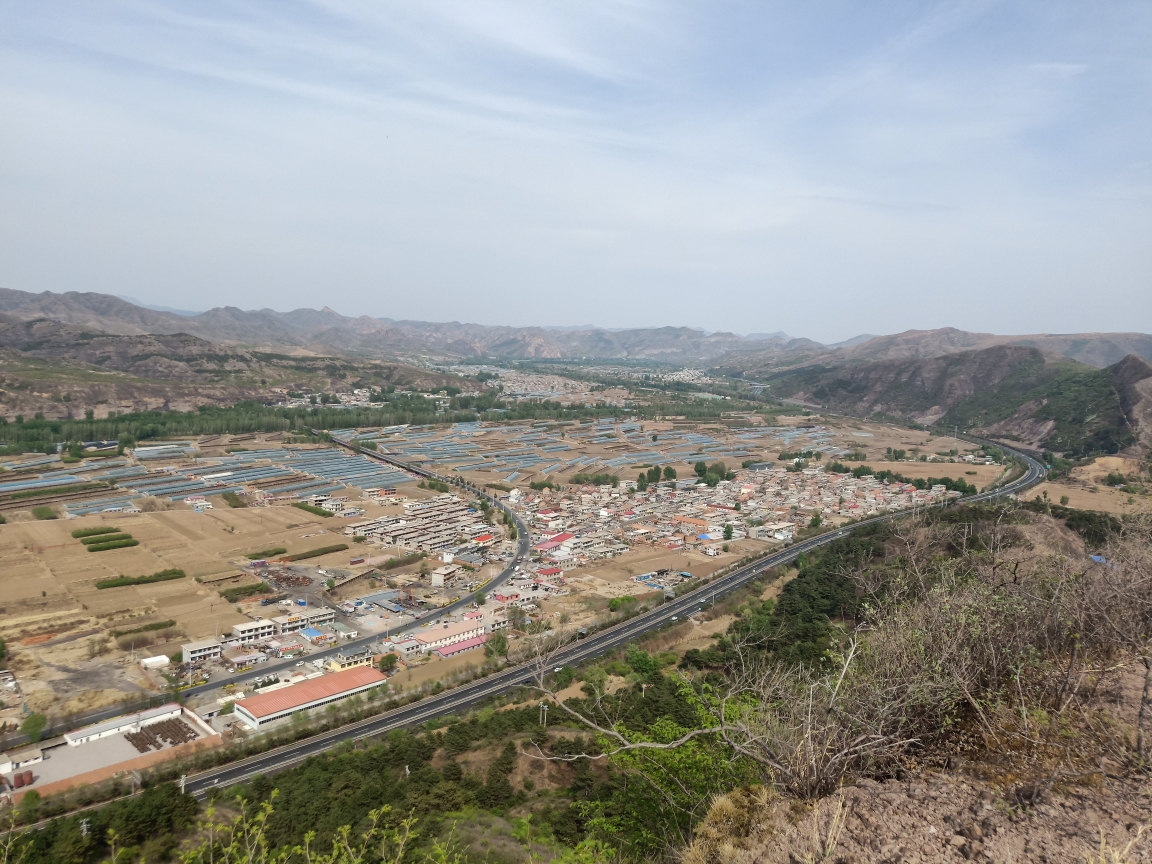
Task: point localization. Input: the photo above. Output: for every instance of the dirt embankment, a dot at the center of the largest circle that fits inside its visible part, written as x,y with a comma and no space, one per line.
936,818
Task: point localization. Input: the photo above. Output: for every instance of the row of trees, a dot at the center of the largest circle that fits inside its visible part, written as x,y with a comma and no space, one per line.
653,475
245,417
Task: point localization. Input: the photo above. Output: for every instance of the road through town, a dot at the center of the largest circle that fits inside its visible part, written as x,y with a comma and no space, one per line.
464,697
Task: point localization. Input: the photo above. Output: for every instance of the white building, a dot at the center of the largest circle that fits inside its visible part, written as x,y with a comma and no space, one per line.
303,619
119,725
194,652
439,637
254,631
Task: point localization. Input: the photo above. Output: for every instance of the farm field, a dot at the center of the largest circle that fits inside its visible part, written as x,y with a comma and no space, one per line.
61,628
1086,488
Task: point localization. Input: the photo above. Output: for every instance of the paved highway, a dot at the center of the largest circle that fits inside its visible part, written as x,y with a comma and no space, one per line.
524,543
462,698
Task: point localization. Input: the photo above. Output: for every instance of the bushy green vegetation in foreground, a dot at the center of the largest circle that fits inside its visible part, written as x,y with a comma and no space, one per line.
1093,526
147,827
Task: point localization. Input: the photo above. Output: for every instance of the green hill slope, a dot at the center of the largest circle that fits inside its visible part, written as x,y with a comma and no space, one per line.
1012,391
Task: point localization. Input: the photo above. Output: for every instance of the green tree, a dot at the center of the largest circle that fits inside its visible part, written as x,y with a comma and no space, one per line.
654,474
728,531
701,468
3,650
497,645
388,662
815,521
33,726
564,677
331,583
29,806
669,472
497,792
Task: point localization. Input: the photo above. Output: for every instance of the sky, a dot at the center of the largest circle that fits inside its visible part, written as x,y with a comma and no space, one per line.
820,168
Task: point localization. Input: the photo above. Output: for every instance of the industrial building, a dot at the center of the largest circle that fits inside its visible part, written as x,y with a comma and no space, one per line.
265,708
123,724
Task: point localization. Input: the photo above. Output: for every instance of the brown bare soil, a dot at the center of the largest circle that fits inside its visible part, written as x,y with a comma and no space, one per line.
1099,498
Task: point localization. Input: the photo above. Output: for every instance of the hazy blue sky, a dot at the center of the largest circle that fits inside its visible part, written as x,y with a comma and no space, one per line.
821,168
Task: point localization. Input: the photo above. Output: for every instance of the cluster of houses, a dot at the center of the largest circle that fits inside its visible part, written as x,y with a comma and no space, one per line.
766,501
253,642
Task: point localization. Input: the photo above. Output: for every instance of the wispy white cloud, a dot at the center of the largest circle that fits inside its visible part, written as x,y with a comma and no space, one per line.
820,168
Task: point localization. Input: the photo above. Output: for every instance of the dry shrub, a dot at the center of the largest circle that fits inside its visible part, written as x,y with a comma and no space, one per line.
736,821
1014,651
135,641
1017,649
742,823
969,642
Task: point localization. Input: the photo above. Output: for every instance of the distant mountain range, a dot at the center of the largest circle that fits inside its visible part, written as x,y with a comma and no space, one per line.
1077,393
61,371
328,331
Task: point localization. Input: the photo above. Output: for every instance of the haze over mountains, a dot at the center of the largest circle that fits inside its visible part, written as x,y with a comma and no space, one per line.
327,331
66,353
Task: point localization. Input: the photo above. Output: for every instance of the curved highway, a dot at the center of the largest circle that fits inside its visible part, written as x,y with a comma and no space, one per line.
468,695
